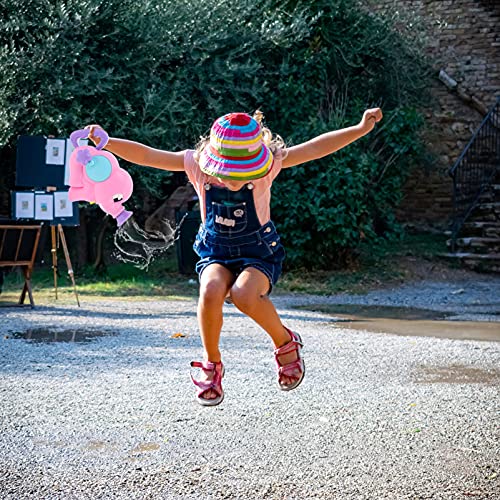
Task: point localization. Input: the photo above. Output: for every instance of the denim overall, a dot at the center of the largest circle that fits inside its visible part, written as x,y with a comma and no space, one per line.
233,236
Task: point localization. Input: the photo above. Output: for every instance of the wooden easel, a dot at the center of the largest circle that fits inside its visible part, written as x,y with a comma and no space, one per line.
56,237
21,253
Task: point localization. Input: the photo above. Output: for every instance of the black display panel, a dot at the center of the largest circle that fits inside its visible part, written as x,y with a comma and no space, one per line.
31,167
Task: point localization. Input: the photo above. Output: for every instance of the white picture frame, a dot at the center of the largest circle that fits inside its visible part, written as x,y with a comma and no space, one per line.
63,207
55,151
24,205
44,207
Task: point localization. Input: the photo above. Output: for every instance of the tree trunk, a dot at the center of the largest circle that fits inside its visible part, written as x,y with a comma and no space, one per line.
82,240
99,263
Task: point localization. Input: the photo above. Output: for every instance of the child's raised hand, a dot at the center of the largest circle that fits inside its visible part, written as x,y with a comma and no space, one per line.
370,117
94,138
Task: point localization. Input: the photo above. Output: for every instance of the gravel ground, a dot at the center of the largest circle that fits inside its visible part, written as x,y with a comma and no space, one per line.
377,416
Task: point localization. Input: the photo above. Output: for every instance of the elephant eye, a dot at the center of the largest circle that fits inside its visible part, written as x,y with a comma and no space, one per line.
118,197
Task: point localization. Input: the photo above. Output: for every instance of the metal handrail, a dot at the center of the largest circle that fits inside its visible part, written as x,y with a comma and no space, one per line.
475,169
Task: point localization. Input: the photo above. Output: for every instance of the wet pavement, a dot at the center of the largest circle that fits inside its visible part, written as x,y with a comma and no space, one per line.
407,321
460,330
48,335
456,374
96,402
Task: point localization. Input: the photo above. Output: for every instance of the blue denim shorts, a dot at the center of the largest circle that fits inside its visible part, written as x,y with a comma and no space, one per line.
261,249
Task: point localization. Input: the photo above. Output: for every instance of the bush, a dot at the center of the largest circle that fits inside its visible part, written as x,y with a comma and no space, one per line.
161,71
333,204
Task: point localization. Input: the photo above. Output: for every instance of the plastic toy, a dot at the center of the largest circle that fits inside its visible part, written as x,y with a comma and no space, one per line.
95,176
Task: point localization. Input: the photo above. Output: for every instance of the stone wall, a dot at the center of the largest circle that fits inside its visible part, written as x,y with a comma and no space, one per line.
463,39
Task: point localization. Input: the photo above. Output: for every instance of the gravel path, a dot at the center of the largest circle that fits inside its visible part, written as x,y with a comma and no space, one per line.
377,416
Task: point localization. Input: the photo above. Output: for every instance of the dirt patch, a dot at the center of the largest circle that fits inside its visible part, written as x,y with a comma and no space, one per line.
417,268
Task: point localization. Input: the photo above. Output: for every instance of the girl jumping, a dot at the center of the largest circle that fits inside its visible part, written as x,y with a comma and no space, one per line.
240,251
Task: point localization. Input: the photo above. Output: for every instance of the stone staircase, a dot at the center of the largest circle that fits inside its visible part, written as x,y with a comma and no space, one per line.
475,225
477,245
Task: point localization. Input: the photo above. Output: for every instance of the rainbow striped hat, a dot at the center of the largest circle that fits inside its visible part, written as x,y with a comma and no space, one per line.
236,150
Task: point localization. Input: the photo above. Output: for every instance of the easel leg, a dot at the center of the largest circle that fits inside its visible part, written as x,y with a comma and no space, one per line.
68,261
54,255
27,287
23,293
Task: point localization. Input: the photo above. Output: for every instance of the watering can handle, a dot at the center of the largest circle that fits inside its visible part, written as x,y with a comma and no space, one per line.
84,133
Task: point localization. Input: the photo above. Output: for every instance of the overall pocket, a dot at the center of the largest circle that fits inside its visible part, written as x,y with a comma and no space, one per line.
229,218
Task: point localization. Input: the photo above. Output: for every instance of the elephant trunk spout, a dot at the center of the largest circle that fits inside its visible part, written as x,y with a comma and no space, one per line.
122,217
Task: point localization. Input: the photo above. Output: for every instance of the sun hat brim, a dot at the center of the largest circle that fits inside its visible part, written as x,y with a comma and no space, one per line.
213,163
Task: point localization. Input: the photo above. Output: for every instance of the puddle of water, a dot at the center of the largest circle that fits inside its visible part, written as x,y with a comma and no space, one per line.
456,374
460,330
43,335
408,322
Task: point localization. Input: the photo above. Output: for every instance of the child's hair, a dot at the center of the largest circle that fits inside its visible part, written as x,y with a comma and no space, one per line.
274,143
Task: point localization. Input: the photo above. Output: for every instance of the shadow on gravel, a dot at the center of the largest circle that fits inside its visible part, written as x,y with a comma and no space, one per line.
115,313
111,350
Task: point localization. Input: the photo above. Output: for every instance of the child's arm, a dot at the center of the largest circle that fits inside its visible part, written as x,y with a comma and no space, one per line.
330,142
140,154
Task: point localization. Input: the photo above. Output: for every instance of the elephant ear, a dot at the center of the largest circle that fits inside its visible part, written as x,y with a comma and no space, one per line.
75,171
98,169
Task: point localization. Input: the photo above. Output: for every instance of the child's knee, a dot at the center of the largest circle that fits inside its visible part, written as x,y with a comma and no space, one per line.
212,293
244,299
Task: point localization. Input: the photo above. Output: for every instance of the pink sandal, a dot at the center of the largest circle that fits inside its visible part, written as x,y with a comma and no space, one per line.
295,369
217,369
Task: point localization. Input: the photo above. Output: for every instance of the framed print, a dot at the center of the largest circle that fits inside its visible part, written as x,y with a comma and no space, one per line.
24,205
54,152
63,207
44,206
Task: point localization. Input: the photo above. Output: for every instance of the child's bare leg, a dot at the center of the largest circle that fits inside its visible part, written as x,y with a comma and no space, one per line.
249,295
215,282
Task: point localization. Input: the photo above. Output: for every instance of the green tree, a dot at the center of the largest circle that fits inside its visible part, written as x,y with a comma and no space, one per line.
351,60
161,71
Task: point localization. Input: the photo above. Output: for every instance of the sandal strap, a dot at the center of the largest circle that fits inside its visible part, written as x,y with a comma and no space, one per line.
215,383
293,369
205,365
287,348
289,370
292,346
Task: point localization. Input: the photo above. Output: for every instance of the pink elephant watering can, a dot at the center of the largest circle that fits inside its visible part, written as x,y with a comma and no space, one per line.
95,176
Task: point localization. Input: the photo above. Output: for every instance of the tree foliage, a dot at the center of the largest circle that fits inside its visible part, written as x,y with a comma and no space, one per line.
160,72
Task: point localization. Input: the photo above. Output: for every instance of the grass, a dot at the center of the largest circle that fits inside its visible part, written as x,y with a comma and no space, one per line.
120,281
379,265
